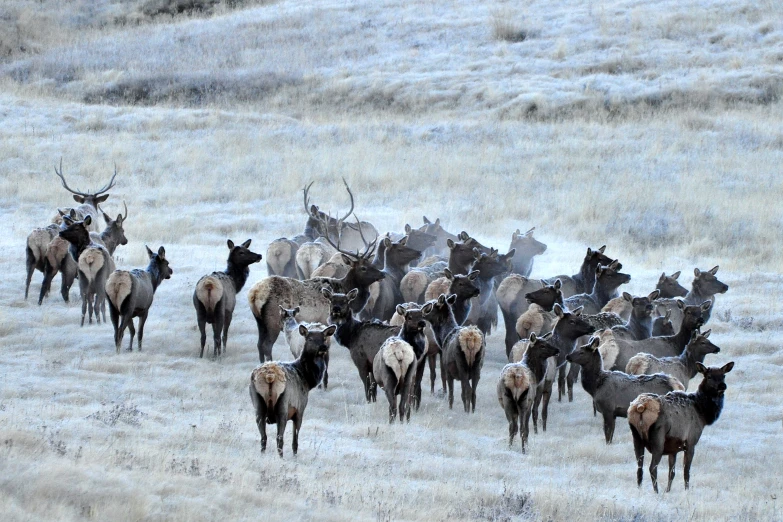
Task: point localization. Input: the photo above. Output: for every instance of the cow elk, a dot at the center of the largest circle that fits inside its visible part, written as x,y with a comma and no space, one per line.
215,295
130,294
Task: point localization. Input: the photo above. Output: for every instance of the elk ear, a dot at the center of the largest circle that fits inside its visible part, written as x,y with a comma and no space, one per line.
246,244
510,253
78,199
60,212
675,275
313,210
578,311
387,242
727,367
437,222
327,292
68,220
714,270
451,299
529,233
558,310
427,308
353,294
162,253
533,338
594,342
149,252
448,274
602,249
464,236
589,252
706,334
328,332
400,310
476,253
442,299
628,297
546,336
654,295
680,304
701,368
72,213
101,199
426,221
87,221
407,228
403,241
302,330
474,274
230,244
662,278
558,284
706,305
106,217
450,243
696,272
347,260
119,219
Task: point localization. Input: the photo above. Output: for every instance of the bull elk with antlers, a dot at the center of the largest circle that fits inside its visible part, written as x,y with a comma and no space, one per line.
88,201
320,224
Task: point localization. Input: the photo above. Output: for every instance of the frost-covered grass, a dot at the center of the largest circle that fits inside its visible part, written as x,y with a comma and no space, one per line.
652,127
595,59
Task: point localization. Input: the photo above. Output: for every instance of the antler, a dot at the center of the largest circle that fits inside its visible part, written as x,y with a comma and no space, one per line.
359,226
350,194
329,239
306,191
125,216
69,189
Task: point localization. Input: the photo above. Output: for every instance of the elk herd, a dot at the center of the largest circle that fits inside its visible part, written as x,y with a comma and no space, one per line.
399,303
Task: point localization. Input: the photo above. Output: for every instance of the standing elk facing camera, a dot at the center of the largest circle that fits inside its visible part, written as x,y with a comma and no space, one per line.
279,390
216,294
130,294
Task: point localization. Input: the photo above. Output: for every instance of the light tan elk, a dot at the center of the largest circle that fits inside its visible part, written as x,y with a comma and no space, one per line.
89,200
352,237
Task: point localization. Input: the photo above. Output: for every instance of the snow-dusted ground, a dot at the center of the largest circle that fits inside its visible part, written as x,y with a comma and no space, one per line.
415,105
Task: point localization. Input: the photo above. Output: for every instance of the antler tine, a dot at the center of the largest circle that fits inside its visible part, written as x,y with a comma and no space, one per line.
329,239
361,234
306,192
370,250
350,194
125,216
108,185
62,179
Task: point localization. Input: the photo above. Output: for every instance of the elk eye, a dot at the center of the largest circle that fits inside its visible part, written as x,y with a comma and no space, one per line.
364,269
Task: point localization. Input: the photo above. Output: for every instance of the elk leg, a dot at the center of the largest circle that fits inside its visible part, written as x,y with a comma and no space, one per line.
431,363
202,327
66,282
638,449
561,382
609,422
511,332
226,324
260,407
512,422
573,375
525,424
217,330
84,300
450,383
545,407
473,387
142,320
281,421
443,376
654,460
297,425
49,272
687,460
30,269
115,322
672,462
392,398
534,409
132,331
465,392
326,372
266,339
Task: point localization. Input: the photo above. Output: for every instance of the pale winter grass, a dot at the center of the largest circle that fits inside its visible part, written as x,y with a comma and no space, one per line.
593,59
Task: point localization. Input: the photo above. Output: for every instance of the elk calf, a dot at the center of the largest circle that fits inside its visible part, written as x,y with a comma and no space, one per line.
130,295
279,390
216,294
671,423
612,392
296,341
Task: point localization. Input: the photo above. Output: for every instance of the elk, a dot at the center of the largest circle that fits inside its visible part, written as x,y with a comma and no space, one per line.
671,423
311,256
397,255
704,288
88,201
279,390
612,392
94,266
683,367
526,247
462,256
519,387
463,349
363,339
617,352
396,364
662,326
607,280
512,290
37,253
439,248
268,295
130,294
484,310
321,224
667,287
216,295
281,257
418,238
639,325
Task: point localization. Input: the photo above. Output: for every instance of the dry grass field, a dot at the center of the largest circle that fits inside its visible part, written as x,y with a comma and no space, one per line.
651,127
